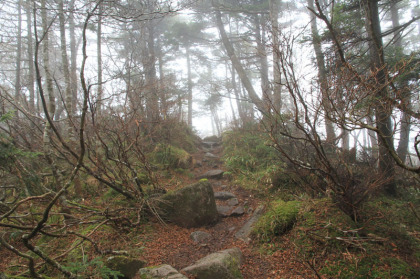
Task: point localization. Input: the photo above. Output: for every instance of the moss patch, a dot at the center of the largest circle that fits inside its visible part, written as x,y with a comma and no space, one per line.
279,218
171,157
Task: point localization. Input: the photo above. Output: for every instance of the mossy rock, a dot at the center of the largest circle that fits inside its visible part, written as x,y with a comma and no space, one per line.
224,264
191,206
279,218
125,265
171,157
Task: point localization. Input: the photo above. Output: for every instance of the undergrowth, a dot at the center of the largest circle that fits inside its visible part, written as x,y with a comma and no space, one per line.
382,243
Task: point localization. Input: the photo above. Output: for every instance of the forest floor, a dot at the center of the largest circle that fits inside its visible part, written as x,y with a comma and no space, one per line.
170,244
157,243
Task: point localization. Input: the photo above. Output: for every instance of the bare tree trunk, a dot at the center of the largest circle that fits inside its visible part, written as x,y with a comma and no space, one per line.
274,18
262,55
99,60
50,91
152,107
18,85
241,112
73,59
383,109
227,70
237,64
322,75
402,149
49,80
31,75
66,72
190,85
162,89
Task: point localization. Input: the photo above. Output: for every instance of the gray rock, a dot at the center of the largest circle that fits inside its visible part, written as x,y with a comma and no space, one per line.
163,271
198,164
224,210
212,174
238,211
233,201
200,237
244,232
126,265
191,206
210,155
224,195
208,144
224,264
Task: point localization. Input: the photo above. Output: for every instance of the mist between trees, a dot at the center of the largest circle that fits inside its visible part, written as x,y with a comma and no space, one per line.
89,88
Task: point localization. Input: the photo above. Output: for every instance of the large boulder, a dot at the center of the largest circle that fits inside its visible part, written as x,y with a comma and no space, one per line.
128,267
191,206
162,271
224,264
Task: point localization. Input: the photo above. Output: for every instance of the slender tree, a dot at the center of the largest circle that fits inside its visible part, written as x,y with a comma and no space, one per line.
31,72
99,102
322,76
18,54
66,71
405,128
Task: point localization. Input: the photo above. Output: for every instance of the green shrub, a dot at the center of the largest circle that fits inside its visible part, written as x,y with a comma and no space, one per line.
92,269
247,152
279,218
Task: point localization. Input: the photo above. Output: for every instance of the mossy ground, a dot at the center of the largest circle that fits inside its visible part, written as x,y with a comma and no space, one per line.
278,219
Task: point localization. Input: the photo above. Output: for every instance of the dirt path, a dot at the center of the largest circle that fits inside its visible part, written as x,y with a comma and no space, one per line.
172,245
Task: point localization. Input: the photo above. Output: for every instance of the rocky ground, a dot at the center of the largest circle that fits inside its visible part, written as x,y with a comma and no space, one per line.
177,248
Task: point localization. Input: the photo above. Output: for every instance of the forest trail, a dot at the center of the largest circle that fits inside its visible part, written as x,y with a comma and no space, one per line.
173,245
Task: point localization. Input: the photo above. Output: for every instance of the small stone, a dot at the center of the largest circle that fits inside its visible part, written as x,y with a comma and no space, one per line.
238,211
233,202
163,271
212,174
200,237
224,195
224,210
210,155
127,266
